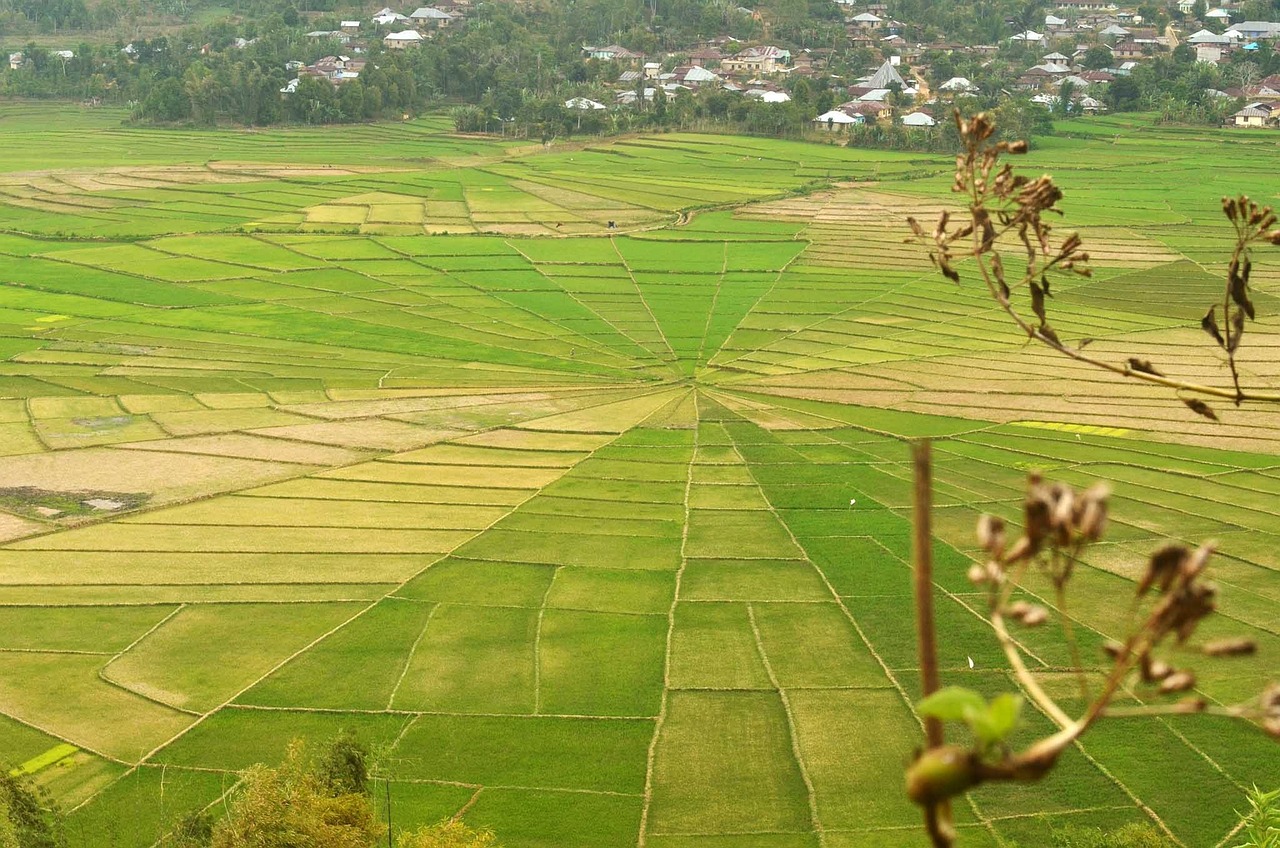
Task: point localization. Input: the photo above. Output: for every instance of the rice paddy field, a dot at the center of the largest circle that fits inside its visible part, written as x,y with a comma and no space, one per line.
536,469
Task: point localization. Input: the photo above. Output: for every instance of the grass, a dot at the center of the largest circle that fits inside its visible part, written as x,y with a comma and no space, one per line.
561,519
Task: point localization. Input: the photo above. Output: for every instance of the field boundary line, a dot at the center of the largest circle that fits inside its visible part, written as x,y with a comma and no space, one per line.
537,644
792,731
760,299
660,721
574,297
358,614
60,737
675,359
413,649
884,667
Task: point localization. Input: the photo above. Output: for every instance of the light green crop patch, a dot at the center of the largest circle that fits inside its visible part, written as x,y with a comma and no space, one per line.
54,755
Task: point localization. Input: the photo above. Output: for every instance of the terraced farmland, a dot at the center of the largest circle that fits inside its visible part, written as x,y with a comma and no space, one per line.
398,435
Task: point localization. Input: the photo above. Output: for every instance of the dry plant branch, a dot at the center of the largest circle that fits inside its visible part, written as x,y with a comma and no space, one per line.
1007,209
1170,601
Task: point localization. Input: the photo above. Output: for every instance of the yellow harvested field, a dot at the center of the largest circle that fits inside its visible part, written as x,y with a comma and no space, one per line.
449,454
166,477
111,568
615,417
493,476
389,492
223,420
245,446
530,440
73,407
235,510
144,404
373,434
185,539
12,527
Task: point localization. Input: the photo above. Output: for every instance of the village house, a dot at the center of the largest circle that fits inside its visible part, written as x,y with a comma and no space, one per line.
836,120
429,17
350,27
867,21
583,104
757,61
16,61
694,76
958,87
403,40
1086,6
324,35
706,57
1255,30
612,53
1129,50
387,17
1254,115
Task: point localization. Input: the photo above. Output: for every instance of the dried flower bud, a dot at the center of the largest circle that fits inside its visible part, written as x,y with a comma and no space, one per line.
1035,616
1274,237
1269,702
1163,568
1272,727
978,574
1091,519
1179,681
1153,670
1017,609
1196,563
1229,207
1230,647
1113,649
1018,147
991,534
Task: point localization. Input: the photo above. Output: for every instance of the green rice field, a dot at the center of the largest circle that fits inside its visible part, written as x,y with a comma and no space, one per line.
537,469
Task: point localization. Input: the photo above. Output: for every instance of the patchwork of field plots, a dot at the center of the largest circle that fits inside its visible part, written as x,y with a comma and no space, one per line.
597,536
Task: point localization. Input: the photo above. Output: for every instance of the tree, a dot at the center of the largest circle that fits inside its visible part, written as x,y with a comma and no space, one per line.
297,806
1098,57
28,818
167,102
448,834
1123,94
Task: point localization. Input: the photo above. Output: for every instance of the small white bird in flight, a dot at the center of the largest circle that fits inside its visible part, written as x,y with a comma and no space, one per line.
970,662
852,501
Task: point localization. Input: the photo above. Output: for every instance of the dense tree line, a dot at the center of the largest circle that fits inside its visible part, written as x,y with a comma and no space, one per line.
514,65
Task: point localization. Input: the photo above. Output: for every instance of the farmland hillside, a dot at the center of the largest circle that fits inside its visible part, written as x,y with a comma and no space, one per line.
572,480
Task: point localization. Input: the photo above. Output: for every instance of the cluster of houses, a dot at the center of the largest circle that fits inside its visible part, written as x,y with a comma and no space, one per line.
1078,26
755,72
398,31
873,99
1262,104
18,60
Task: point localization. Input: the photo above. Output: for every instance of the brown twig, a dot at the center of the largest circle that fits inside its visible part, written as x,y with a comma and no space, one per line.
937,817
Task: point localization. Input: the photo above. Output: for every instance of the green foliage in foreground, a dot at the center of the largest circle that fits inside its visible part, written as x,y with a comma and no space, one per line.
449,834
296,805
28,818
1129,836
1262,822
